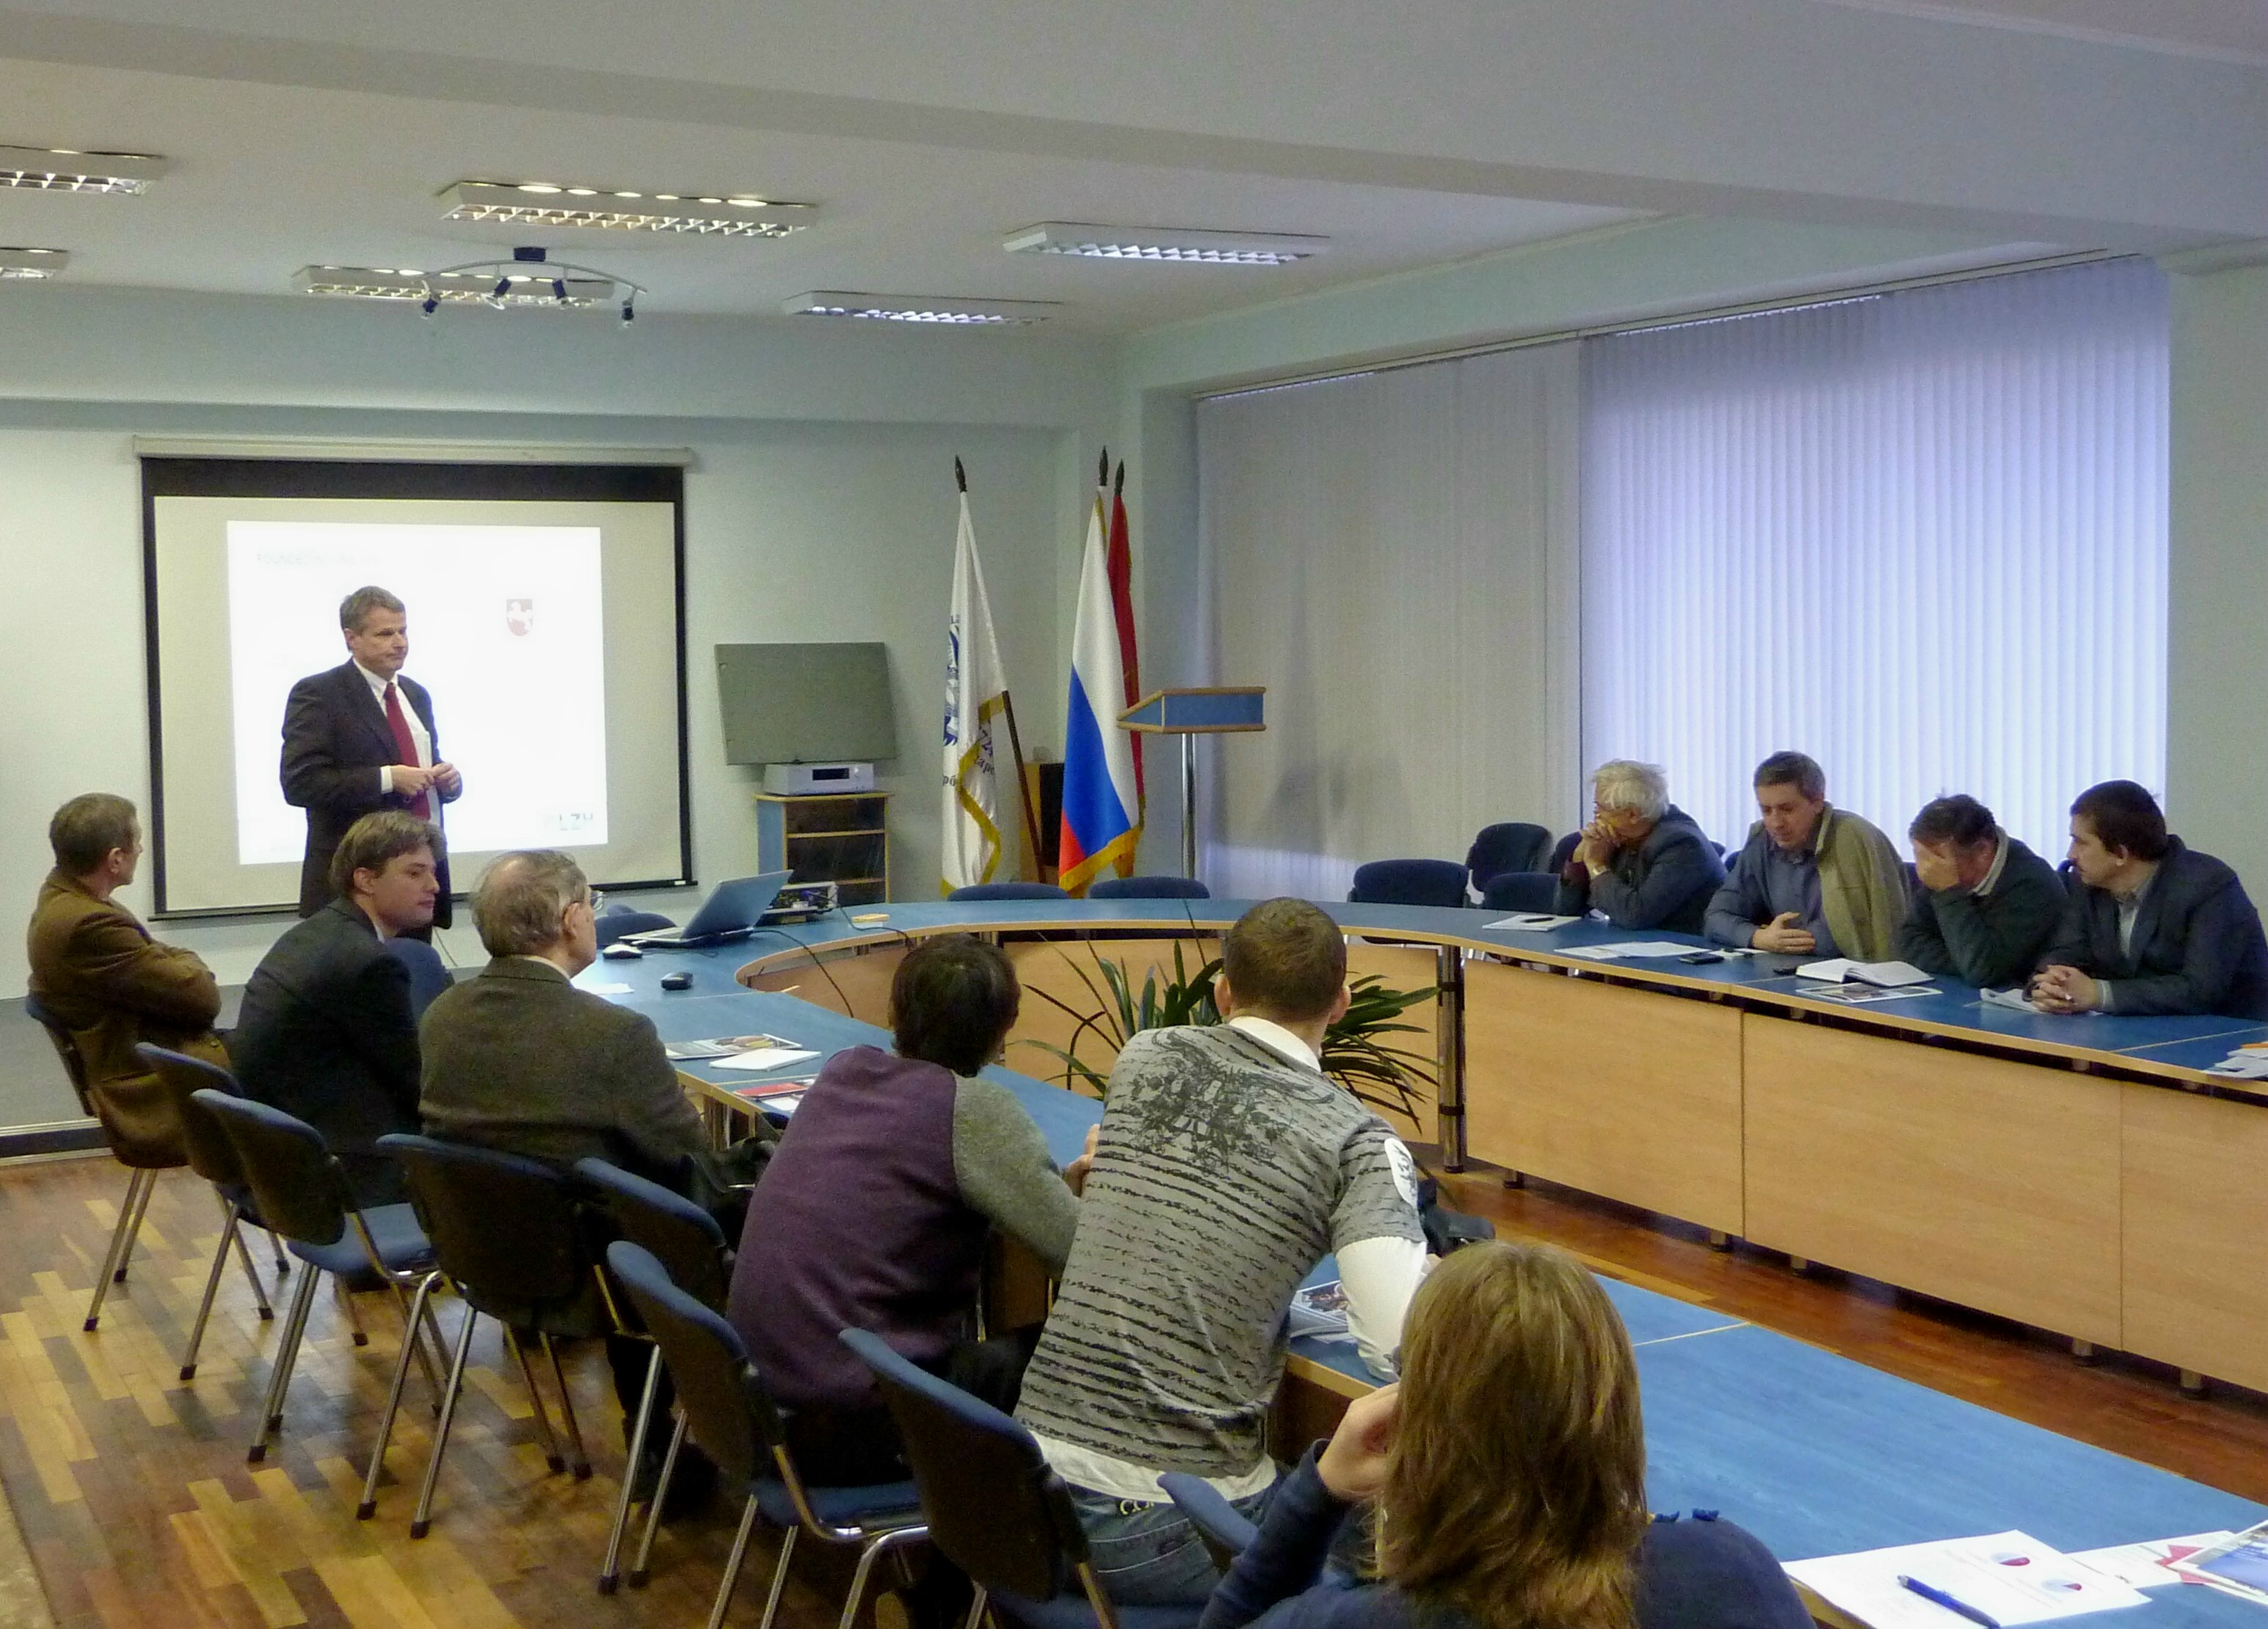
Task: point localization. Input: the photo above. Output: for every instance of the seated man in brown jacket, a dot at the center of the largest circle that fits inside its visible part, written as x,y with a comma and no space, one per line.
95,968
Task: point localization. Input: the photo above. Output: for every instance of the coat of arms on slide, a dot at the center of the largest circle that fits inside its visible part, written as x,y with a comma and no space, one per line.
520,616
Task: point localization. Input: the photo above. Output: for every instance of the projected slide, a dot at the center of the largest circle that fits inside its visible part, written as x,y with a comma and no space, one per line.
506,631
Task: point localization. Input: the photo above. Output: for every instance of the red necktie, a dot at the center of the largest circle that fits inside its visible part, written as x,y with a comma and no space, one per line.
405,746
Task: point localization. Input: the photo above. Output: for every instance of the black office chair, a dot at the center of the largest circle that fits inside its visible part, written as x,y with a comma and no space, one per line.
143,1157
1149,888
1521,890
692,1250
1222,1529
213,1157
1509,846
508,1233
301,1194
620,922
995,1509
428,975
1563,850
1006,891
736,1423
1409,881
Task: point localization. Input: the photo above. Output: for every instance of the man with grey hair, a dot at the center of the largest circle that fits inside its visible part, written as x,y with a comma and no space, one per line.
1642,861
359,737
1812,880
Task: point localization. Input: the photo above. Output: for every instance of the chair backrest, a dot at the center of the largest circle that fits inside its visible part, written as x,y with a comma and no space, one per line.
1409,881
506,1229
1508,846
428,977
204,1139
297,1185
1563,850
726,1409
994,1508
1521,890
1008,890
67,1046
617,924
1224,1530
667,1226
1149,888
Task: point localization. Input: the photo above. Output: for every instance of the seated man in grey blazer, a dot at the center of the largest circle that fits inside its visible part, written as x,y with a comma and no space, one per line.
1642,861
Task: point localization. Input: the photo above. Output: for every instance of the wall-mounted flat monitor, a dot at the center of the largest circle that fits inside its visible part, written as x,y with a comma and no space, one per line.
805,704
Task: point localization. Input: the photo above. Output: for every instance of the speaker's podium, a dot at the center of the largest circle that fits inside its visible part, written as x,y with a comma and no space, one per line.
1188,714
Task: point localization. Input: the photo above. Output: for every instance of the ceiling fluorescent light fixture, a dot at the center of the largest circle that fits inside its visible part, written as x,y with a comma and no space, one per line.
59,170
385,283
540,203
1184,247
31,265
921,308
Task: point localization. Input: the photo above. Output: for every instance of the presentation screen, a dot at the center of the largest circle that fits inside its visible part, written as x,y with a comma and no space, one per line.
543,611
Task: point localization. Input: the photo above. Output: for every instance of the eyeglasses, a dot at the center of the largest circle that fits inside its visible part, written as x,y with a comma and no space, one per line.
598,902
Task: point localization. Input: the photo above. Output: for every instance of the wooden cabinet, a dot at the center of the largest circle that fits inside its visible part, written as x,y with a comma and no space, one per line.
831,837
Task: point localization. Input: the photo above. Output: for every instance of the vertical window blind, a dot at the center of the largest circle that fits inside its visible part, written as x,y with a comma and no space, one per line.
1922,537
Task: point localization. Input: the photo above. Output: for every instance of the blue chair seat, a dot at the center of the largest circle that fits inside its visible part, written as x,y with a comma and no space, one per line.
1071,1612
841,1507
401,1245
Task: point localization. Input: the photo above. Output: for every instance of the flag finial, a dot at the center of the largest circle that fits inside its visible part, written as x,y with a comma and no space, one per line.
960,477
1102,475
1119,490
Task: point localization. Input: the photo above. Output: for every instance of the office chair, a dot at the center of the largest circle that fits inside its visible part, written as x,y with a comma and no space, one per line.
1510,846
1409,881
975,891
428,977
1149,888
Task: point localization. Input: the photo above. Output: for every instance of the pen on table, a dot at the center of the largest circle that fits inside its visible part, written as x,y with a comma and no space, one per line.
1950,1603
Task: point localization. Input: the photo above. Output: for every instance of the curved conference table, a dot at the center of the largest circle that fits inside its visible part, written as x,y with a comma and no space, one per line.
1815,1454
2082,1175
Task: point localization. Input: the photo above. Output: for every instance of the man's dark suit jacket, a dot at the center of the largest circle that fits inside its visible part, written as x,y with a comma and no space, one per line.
326,1033
2198,943
521,1060
336,740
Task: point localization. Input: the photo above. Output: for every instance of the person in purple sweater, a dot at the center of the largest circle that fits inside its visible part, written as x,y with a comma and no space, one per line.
874,1211
1507,1472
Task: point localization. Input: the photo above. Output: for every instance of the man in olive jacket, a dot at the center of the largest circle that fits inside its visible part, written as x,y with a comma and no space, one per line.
95,967
1988,906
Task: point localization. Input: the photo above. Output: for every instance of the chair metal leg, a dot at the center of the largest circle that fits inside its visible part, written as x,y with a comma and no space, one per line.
733,1563
416,1322
420,1523
874,1550
251,1273
580,1460
113,1260
1106,1613
610,1572
551,1456
368,1508
141,1209
639,1572
345,1298
779,1578
276,1248
212,1283
976,1606
279,1374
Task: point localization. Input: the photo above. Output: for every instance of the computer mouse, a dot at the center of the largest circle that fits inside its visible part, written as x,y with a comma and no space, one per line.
677,981
621,952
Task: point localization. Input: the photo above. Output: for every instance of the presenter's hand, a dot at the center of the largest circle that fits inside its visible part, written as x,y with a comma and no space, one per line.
409,779
447,780
1353,1463
1781,934
1075,1173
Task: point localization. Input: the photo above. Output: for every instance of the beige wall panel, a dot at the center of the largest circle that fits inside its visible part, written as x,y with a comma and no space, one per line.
2195,1209
1614,1092
1991,1184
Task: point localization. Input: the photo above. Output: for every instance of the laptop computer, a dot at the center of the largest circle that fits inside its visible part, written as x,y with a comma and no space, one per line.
732,912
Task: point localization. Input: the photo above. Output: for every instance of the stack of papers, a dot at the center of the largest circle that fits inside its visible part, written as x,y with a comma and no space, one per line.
2154,1562
1528,922
1842,970
1320,1309
2237,1563
1864,995
2249,1062
2013,999
779,1098
765,1058
2007,1578
722,1046
1632,950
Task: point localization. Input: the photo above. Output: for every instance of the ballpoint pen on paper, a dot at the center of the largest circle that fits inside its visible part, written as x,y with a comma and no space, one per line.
1950,1603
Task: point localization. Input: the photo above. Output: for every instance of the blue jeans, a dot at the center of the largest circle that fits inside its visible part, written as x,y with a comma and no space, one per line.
1149,1554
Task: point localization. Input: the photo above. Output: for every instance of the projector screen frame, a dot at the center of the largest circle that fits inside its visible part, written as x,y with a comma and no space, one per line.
165,476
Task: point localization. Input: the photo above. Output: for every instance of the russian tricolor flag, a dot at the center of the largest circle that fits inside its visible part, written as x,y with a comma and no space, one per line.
1101,810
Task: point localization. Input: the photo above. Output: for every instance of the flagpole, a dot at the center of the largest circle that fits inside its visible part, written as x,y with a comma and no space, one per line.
1015,741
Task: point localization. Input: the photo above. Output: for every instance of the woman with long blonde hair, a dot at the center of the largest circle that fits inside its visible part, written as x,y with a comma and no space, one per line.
1507,1473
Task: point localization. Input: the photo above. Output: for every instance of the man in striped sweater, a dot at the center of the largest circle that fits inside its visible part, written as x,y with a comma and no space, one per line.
1228,1165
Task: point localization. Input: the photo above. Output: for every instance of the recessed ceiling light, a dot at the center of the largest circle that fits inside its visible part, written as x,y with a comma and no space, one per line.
386,283
59,170
1190,248
536,204
31,265
921,308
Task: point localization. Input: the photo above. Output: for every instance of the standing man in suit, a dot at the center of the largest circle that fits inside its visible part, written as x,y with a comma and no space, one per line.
2156,927
95,968
359,737
325,1032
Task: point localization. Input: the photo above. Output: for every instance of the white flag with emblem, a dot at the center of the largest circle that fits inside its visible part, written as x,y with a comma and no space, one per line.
975,694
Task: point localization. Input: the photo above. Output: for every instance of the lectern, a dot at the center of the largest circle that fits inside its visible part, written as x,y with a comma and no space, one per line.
1188,714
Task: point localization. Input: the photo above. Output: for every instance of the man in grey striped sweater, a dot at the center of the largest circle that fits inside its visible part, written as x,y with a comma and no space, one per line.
1228,1166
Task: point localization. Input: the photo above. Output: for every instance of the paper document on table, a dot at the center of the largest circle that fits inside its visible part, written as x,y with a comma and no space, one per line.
2237,1563
2013,998
764,1058
1528,922
2242,1064
722,1046
2010,1578
1630,949
605,989
1864,995
1320,1309
1842,969
2149,1564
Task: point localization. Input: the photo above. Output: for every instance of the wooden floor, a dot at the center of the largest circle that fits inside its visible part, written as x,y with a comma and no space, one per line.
137,1508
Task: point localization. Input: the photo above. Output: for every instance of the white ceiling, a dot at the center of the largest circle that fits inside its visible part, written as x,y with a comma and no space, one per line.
321,132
